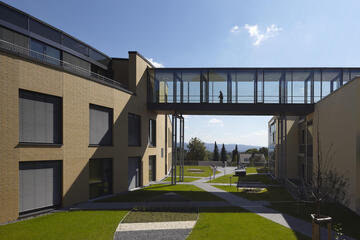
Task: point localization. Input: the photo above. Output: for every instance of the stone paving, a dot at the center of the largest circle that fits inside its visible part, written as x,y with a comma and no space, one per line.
177,230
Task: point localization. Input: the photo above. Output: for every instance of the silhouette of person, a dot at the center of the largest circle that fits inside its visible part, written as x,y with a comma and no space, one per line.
221,97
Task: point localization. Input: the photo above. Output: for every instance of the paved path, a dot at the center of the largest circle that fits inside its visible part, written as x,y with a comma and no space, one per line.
178,230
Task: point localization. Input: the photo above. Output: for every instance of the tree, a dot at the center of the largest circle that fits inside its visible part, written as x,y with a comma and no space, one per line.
265,151
196,150
216,153
235,155
252,150
223,154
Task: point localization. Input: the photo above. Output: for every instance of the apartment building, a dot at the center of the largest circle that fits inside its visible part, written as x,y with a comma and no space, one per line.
335,124
74,123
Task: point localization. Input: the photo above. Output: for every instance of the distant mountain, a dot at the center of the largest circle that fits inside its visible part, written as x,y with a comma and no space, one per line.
228,147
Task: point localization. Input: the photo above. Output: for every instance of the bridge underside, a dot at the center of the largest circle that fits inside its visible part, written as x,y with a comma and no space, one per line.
232,108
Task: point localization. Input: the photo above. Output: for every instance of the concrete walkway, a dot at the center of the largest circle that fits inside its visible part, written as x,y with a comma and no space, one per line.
178,230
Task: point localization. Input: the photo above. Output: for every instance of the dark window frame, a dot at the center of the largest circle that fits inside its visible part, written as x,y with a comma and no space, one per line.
111,120
60,118
152,138
112,177
140,132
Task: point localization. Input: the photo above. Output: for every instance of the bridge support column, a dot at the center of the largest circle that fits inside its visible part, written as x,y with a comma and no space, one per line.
177,152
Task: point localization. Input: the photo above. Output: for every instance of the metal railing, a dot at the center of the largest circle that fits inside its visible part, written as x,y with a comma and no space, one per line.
46,59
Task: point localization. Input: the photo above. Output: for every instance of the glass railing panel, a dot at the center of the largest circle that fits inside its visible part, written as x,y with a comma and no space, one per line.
218,86
301,80
191,86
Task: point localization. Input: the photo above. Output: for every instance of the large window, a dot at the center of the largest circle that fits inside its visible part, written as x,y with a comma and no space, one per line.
101,119
152,132
75,45
100,179
44,31
134,130
44,52
14,17
40,118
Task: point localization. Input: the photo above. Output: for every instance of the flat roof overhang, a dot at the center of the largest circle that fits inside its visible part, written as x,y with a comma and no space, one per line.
232,108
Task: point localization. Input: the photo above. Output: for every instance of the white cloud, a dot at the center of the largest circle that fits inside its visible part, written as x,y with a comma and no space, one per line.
235,29
258,36
156,64
215,121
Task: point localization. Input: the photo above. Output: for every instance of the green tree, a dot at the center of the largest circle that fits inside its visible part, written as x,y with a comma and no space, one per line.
196,150
264,150
252,150
235,155
223,154
216,153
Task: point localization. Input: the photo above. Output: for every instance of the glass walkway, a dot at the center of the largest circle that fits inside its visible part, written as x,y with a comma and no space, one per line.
273,90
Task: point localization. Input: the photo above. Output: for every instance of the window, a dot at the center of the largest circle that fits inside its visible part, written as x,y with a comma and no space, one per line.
40,118
152,168
16,39
101,119
75,45
14,17
70,61
44,31
100,179
134,130
152,132
98,57
44,52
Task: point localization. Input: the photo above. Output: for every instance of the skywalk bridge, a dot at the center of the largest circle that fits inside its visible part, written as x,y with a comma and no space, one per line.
245,91
239,91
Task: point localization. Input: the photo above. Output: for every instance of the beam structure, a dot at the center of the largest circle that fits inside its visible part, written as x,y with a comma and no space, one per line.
177,152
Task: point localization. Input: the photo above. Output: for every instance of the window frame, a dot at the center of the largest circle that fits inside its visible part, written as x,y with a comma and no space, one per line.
111,128
111,160
140,132
151,141
60,118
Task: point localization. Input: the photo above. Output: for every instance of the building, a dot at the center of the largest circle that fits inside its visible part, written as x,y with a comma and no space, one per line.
74,124
257,158
334,126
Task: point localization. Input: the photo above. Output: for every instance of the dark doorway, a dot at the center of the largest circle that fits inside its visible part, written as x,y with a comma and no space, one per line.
134,172
152,168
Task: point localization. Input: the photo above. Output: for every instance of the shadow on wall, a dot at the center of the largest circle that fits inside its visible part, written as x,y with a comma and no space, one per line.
119,151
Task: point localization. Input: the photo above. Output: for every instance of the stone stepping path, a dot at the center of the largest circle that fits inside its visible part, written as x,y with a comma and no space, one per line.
177,230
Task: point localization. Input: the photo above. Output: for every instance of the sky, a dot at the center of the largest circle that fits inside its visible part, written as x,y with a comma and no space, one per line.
205,33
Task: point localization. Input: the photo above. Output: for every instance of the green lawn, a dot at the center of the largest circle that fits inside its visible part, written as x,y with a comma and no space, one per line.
251,170
266,194
161,215
235,223
349,220
79,225
189,192
206,171
186,179
248,178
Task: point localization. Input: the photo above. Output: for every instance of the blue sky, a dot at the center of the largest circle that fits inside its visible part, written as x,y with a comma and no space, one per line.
208,33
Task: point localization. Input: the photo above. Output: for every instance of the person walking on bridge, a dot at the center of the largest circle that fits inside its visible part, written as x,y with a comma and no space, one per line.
221,97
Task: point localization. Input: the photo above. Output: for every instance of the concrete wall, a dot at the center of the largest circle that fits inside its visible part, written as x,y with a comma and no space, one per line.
337,118
76,93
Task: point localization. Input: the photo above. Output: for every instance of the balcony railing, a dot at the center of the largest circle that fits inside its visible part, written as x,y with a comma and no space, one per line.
46,59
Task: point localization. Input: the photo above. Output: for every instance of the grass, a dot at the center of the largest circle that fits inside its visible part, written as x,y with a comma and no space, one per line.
235,223
186,179
251,170
206,171
348,219
190,192
248,178
79,225
266,194
161,215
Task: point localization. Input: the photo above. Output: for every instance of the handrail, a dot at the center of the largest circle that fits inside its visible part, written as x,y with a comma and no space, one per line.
56,62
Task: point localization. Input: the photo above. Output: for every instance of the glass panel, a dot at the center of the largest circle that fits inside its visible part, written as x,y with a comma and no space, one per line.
299,80
75,45
331,81
164,80
317,86
218,86
271,86
45,31
99,57
37,49
134,130
191,81
14,17
54,55
246,84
